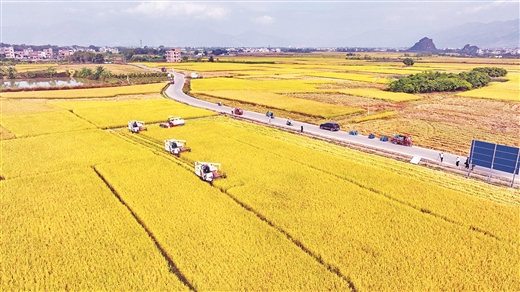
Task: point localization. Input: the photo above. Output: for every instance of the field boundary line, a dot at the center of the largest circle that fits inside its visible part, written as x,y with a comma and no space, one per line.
329,267
171,264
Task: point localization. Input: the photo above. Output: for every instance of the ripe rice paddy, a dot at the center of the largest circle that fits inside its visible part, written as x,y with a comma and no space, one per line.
92,209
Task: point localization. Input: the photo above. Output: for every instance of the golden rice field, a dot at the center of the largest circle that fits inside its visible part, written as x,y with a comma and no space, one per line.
278,86
508,91
34,124
111,114
287,103
215,242
93,209
424,223
378,116
350,76
379,94
55,152
8,106
452,132
86,93
66,231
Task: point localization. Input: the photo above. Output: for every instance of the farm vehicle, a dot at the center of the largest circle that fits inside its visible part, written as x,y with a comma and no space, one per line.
136,126
175,147
208,171
401,139
172,122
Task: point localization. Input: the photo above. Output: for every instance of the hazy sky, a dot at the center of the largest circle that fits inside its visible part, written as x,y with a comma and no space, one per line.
275,23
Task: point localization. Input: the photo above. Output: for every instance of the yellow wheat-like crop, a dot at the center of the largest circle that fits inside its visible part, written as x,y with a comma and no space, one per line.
287,103
34,124
53,152
378,116
8,106
351,76
384,230
67,231
279,86
508,91
216,243
87,93
109,114
380,94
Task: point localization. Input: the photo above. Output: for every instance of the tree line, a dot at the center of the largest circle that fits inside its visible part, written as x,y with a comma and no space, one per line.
430,81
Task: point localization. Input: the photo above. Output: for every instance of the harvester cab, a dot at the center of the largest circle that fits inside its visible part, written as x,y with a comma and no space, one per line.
136,126
208,171
175,147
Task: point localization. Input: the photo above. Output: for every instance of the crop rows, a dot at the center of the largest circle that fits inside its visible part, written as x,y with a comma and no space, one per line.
110,114
287,103
87,93
383,95
398,233
216,244
67,231
34,124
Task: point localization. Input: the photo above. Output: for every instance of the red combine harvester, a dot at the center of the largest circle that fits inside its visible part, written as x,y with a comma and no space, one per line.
401,139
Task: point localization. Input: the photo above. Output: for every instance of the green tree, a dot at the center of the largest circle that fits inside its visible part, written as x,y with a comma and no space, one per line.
98,72
50,71
211,59
408,62
11,72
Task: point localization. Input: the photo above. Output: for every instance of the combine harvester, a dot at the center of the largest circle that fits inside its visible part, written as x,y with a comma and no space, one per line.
208,171
173,122
136,126
401,139
175,147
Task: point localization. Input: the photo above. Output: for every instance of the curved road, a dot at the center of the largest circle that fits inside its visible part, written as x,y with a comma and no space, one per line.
175,92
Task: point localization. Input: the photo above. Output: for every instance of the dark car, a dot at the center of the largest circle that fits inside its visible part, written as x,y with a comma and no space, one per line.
330,126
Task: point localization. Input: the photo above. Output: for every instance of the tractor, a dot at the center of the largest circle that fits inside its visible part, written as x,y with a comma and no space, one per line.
136,126
175,147
172,122
208,171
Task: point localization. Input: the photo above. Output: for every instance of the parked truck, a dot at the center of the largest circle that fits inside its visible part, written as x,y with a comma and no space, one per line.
401,139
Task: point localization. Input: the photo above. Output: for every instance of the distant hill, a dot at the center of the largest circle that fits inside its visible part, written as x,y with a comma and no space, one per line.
423,45
497,34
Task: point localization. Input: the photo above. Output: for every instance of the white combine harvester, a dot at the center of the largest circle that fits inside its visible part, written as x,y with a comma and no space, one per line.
136,126
173,122
208,171
175,147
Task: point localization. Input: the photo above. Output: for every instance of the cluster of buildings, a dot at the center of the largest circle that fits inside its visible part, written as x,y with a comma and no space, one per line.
47,54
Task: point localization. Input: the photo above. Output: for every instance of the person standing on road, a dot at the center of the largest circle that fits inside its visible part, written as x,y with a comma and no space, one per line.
441,156
457,161
233,111
466,164
301,130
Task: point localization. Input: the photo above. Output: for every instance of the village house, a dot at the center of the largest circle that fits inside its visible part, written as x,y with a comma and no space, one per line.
173,55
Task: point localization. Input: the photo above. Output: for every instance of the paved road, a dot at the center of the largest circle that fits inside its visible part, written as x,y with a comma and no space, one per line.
175,92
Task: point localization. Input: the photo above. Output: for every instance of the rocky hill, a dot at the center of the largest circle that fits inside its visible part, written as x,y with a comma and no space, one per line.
424,45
